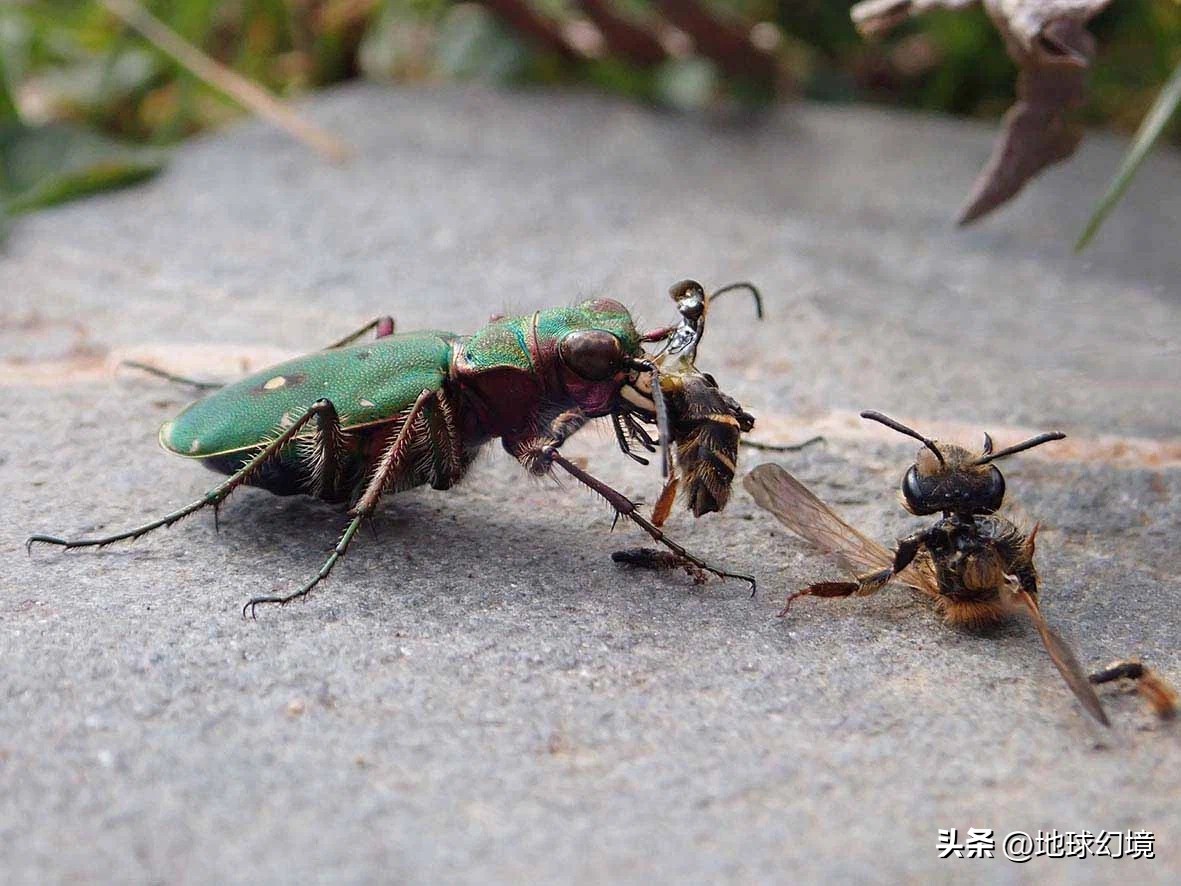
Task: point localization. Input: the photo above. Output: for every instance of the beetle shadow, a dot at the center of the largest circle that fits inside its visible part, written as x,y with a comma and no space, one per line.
435,543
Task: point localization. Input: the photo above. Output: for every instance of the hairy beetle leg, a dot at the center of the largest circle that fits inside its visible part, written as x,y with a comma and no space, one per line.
213,498
392,460
625,507
172,377
248,610
379,326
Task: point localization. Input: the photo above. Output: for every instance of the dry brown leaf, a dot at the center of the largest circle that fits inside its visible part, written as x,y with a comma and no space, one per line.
1049,42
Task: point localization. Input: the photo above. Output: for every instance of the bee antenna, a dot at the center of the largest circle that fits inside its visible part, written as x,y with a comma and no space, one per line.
1021,447
987,450
749,287
872,415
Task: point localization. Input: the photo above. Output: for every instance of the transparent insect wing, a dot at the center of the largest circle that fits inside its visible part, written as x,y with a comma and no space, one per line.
777,491
1065,661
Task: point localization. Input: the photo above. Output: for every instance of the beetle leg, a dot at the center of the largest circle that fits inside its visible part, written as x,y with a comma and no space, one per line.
325,456
381,326
628,430
622,439
172,377
212,498
449,439
392,460
624,507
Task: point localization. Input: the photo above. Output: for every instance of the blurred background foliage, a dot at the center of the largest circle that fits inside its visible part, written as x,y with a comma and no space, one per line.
69,67
74,60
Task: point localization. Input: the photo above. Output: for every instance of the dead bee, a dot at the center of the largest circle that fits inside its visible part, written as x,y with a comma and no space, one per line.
1161,697
974,565
704,424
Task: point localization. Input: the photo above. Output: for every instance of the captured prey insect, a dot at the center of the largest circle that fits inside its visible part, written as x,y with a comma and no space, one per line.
705,424
361,419
977,567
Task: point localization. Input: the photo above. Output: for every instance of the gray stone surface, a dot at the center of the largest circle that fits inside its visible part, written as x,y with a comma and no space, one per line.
479,694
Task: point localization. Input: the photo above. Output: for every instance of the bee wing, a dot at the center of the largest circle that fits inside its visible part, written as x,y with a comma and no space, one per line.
1064,660
794,505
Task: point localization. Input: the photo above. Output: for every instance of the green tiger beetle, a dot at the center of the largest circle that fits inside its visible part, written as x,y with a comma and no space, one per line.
363,418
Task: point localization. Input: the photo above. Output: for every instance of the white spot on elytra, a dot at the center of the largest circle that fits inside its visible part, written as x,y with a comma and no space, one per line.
367,403
277,382
195,445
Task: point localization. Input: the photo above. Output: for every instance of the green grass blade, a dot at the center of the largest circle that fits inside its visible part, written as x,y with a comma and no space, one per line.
1150,129
8,112
46,165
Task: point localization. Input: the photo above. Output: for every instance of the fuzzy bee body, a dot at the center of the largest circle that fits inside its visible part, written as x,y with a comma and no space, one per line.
705,425
973,562
977,567
706,428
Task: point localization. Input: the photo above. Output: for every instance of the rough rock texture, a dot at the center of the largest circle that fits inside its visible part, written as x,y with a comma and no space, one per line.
480,693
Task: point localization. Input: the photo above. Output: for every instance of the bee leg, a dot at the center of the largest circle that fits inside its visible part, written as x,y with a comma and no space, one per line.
867,584
623,436
1161,697
781,447
821,589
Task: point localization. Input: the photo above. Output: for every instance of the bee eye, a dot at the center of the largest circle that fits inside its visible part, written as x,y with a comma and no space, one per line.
592,353
912,490
995,494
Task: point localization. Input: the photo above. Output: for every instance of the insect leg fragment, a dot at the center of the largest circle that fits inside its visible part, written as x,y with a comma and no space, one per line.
1160,695
213,498
627,431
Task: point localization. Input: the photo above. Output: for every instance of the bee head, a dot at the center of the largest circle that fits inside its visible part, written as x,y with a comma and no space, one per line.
950,479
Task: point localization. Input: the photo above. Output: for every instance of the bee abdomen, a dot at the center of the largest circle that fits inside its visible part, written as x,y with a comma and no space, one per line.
707,459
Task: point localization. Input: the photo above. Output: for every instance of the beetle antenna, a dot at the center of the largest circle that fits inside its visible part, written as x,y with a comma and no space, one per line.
749,287
903,429
1021,447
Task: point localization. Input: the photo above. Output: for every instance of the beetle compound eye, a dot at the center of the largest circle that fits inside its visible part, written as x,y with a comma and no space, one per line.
593,354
